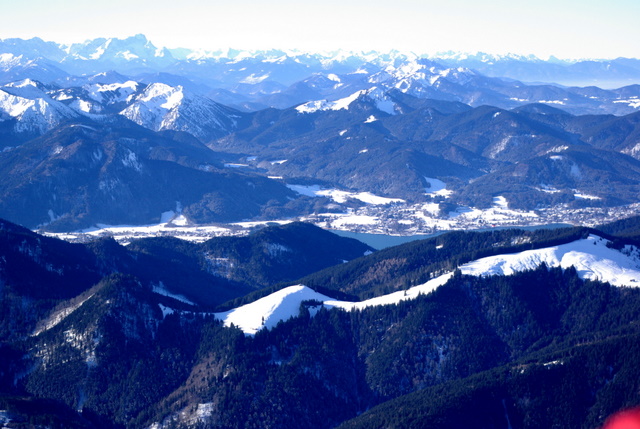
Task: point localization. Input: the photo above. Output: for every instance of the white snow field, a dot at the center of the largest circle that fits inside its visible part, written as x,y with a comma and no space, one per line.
590,256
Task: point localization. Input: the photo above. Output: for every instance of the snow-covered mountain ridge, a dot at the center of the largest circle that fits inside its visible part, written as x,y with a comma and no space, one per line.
163,107
140,47
32,108
374,95
592,257
237,70
38,108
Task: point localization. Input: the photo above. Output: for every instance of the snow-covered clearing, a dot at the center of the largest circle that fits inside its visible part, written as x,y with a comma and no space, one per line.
342,196
58,317
498,212
437,188
161,290
632,102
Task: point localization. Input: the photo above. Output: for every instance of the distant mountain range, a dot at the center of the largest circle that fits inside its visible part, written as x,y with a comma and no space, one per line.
138,53
259,79
394,125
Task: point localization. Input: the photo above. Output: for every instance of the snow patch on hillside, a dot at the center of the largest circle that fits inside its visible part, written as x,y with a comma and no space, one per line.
581,196
131,160
436,188
255,79
160,289
57,317
500,202
631,102
374,95
285,304
547,189
395,297
342,196
320,105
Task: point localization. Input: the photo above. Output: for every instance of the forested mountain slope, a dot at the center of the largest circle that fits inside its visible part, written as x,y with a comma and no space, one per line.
502,343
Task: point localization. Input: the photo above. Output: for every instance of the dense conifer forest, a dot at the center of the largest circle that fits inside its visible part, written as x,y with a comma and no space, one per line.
100,347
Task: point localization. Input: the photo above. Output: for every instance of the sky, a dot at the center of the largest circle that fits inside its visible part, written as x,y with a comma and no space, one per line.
564,28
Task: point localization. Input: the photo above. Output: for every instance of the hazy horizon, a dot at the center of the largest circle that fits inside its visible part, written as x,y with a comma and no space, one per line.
569,29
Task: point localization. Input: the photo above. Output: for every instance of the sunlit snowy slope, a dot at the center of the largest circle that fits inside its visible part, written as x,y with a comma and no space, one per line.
268,311
591,257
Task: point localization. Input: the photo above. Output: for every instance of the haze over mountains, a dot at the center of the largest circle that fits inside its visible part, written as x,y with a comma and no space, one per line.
276,78
397,126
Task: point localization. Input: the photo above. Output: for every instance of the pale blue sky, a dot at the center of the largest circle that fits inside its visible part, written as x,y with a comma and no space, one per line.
565,28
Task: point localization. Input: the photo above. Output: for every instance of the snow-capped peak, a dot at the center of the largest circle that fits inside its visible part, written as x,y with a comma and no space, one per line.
23,83
117,92
167,97
163,107
33,108
375,94
150,107
100,50
418,74
406,69
482,57
27,88
8,61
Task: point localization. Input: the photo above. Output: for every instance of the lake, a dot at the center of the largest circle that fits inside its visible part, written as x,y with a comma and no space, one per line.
382,241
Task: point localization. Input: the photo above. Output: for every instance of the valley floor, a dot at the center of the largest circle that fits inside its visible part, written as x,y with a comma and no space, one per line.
398,219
